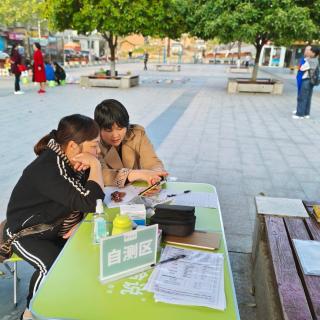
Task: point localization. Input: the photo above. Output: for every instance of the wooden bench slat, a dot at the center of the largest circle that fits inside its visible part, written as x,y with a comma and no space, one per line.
293,299
312,225
297,230
314,228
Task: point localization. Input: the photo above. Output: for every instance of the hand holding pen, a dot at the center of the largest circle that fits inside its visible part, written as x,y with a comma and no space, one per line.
153,186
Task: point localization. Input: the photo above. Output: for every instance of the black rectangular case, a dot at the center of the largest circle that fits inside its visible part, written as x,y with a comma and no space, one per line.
174,220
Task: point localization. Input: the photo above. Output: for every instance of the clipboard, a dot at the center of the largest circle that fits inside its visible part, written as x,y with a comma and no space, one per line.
198,239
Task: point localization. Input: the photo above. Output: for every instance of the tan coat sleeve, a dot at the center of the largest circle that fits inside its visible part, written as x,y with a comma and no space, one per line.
114,177
148,158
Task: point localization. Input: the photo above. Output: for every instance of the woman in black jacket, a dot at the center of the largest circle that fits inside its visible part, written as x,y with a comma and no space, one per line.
15,58
59,73
61,184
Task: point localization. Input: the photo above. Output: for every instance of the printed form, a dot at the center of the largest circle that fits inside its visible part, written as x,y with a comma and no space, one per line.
197,279
193,198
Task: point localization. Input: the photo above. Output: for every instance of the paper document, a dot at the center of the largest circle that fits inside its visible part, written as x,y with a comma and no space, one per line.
130,191
197,279
309,256
281,207
193,198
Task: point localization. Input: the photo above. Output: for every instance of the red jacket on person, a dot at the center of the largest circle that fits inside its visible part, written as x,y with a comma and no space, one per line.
38,67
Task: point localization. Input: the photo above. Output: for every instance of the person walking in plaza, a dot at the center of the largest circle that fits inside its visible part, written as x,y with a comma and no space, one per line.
38,67
57,188
145,60
127,154
16,61
305,86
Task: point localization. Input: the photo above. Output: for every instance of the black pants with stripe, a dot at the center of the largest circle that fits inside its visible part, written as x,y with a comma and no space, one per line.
40,251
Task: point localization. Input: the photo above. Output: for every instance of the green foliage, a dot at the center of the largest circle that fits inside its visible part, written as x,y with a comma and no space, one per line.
26,12
255,21
120,17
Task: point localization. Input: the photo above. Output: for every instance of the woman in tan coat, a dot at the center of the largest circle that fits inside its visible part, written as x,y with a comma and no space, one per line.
127,154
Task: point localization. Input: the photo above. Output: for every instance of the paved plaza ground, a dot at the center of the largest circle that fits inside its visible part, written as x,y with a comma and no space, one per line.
243,144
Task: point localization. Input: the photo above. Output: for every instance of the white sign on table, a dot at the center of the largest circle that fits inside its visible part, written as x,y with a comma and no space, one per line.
128,253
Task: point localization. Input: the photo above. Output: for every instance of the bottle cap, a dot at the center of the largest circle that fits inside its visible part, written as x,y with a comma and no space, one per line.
99,207
121,224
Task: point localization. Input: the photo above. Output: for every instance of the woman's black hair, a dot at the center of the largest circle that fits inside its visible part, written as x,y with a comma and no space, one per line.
38,46
315,50
14,47
58,67
77,128
109,112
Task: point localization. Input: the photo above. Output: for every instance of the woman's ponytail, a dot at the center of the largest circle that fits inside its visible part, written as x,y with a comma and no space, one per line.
42,143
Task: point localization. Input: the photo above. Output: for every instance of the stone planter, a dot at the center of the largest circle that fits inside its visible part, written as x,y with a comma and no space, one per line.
122,82
168,67
236,85
240,70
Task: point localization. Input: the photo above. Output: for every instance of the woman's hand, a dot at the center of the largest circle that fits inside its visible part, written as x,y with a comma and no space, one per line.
84,161
70,232
149,176
152,192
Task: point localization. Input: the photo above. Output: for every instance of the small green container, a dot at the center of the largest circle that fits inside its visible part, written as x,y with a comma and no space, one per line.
121,224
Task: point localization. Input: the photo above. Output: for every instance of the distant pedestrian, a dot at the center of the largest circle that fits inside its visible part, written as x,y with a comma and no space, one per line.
60,74
305,86
145,60
247,61
38,67
16,58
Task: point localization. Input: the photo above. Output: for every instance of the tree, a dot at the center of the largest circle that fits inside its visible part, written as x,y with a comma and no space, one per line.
24,12
114,18
256,22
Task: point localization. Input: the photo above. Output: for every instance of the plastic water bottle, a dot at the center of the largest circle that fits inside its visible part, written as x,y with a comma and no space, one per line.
99,223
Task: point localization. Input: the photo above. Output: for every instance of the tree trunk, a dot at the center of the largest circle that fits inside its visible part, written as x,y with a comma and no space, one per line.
27,43
256,62
168,48
112,60
112,43
239,50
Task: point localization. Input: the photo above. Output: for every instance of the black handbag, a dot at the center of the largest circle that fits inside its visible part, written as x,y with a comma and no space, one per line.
174,220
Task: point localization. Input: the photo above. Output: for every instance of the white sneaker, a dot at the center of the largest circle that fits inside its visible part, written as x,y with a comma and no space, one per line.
297,117
18,92
307,117
294,111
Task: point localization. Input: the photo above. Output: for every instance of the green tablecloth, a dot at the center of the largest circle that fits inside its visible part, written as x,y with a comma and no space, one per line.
72,289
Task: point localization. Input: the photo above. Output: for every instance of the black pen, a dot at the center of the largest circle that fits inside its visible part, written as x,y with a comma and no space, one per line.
176,194
169,260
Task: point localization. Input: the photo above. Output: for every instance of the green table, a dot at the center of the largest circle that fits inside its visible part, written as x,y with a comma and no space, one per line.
72,290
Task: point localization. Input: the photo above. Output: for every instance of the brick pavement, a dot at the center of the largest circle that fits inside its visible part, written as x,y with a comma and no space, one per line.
243,144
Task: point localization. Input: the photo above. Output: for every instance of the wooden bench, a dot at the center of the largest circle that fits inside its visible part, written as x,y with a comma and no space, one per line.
168,67
281,288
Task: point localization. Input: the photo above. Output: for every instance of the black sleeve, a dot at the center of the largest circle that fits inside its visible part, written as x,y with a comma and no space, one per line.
61,188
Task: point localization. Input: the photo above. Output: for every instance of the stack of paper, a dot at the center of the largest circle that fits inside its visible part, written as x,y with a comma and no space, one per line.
192,198
197,279
309,256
